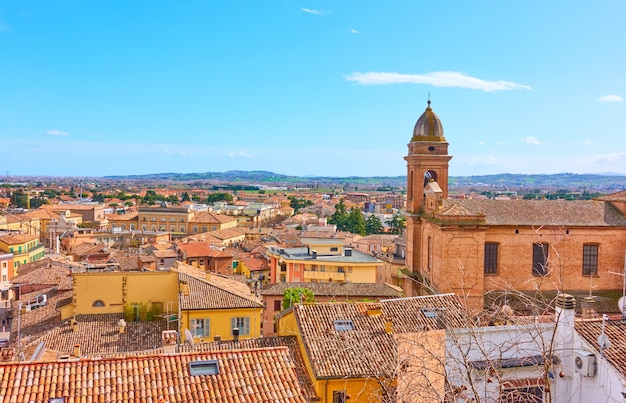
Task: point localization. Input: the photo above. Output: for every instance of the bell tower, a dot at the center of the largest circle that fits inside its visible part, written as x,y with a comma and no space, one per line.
426,161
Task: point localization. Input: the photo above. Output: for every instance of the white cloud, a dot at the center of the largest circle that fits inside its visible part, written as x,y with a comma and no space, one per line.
312,11
56,132
354,31
482,143
530,140
587,142
240,154
180,153
437,79
610,98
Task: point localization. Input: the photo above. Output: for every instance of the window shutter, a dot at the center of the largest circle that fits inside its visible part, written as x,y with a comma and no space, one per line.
207,327
246,329
233,324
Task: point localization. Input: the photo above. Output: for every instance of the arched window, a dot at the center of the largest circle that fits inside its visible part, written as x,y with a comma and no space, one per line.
98,303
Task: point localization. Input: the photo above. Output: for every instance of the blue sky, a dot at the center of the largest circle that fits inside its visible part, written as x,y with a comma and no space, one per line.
331,88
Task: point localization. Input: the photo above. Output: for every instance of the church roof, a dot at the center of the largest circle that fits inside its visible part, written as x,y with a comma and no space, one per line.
586,213
428,127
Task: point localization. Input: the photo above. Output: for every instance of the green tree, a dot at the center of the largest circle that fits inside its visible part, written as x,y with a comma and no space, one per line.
19,199
37,202
172,199
396,224
220,196
297,204
294,295
340,216
185,197
97,197
355,222
373,225
150,197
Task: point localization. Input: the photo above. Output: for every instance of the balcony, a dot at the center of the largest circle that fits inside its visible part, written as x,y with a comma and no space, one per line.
324,276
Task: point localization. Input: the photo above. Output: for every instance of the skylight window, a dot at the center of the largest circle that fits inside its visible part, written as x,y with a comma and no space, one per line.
344,325
429,313
206,367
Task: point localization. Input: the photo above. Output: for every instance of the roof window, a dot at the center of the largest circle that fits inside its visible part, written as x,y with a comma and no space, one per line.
343,325
205,367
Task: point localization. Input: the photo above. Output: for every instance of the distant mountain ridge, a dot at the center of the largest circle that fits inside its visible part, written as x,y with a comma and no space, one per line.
561,180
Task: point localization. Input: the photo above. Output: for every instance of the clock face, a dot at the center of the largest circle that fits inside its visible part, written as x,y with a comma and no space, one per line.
579,362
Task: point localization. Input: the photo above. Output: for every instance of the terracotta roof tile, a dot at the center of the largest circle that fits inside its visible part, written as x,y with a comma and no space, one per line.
350,339
213,291
99,335
538,212
158,378
15,239
615,330
291,342
339,289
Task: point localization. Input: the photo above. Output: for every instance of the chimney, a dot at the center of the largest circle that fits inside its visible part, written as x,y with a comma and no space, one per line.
169,338
77,350
235,334
121,324
314,253
564,311
588,307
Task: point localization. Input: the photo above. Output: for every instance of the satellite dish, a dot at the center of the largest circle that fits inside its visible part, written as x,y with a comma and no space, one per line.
189,339
620,304
604,342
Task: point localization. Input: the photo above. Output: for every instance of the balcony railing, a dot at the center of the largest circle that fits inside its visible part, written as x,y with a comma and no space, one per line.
324,275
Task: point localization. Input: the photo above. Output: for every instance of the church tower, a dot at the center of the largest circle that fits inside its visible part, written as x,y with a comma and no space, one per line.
427,162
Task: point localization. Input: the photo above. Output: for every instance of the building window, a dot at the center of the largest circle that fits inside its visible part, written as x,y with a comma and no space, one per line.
132,227
182,229
243,324
214,228
278,305
98,303
430,253
334,249
540,259
195,229
201,262
339,396
143,227
204,228
200,327
491,258
590,260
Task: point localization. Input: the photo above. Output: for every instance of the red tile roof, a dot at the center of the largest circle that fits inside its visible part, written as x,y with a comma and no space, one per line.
262,375
214,291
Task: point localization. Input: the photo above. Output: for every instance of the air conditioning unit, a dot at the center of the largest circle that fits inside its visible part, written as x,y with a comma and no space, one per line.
585,363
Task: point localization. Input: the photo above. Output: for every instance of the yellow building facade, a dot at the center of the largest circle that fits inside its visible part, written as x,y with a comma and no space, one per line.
209,307
24,247
322,260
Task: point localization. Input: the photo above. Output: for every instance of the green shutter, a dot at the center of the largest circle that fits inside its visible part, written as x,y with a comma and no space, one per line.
207,327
